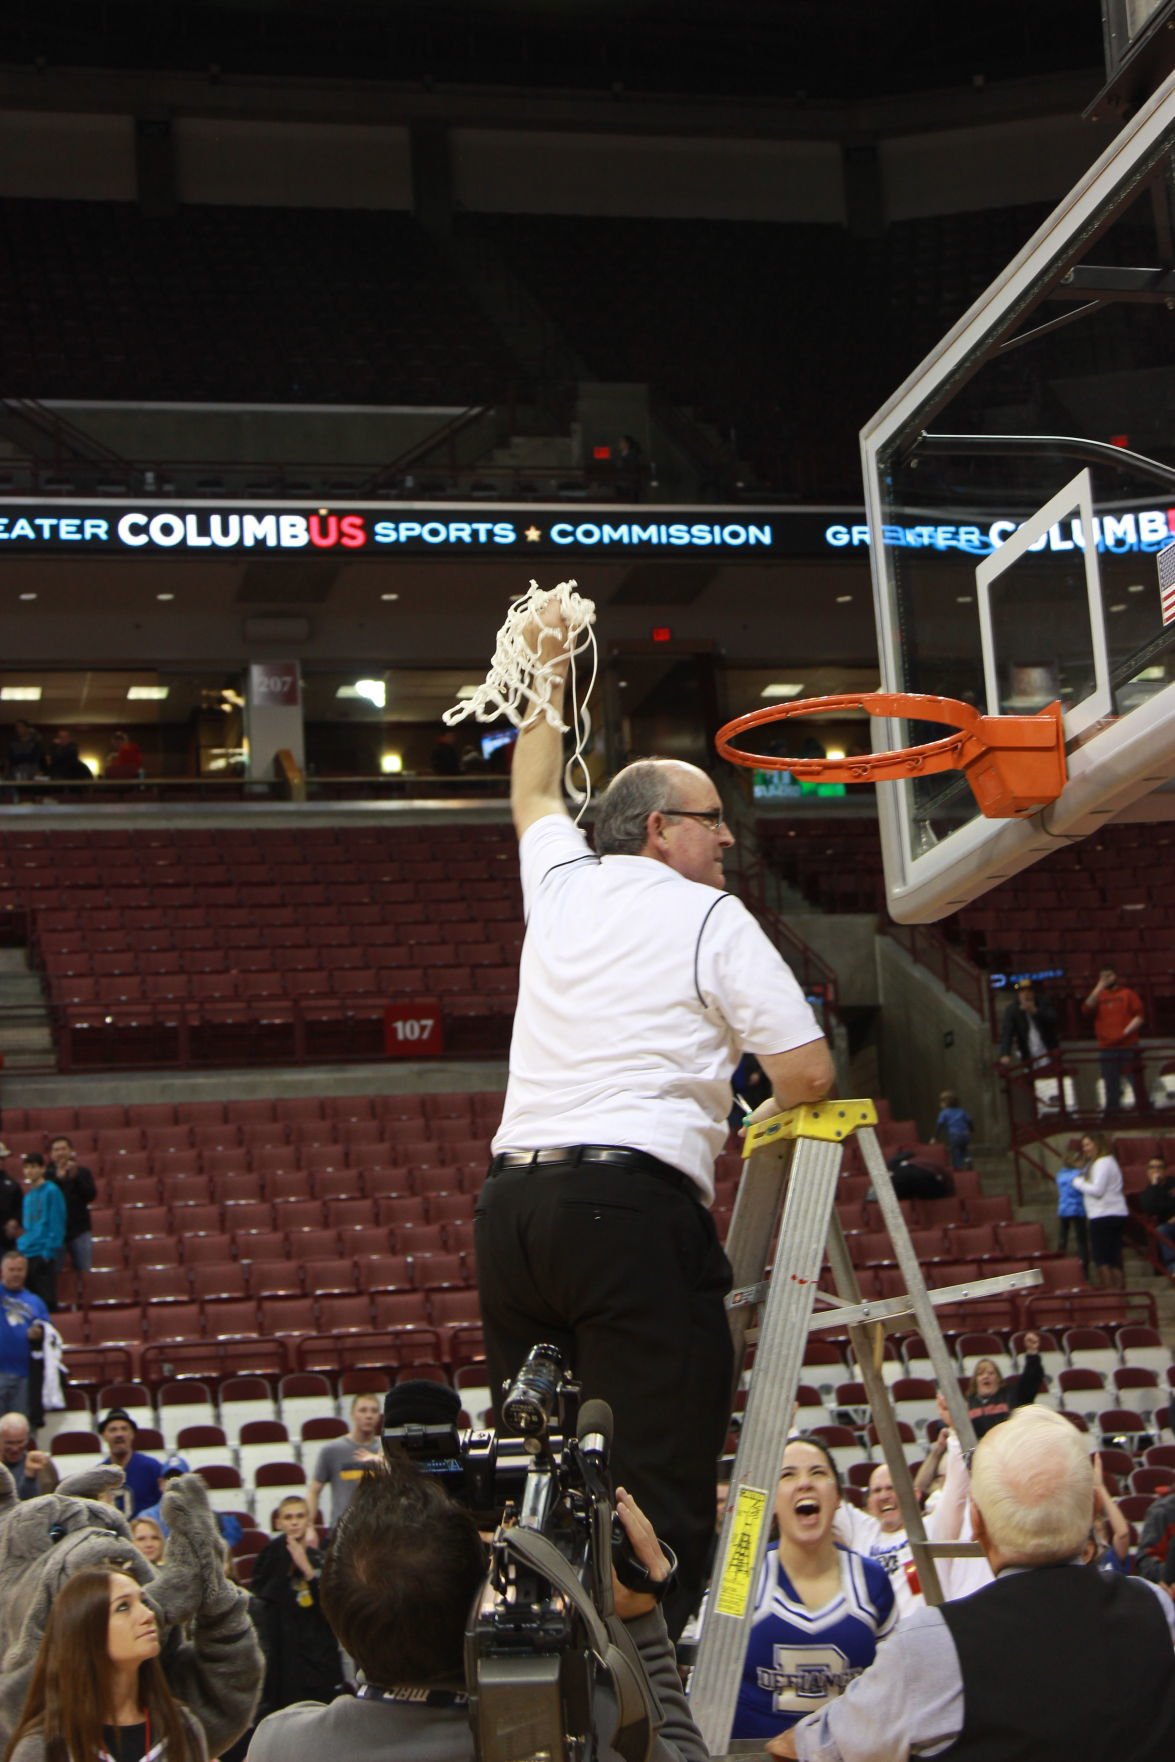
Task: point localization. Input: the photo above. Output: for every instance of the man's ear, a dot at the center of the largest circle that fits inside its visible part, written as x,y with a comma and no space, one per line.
978,1527
654,829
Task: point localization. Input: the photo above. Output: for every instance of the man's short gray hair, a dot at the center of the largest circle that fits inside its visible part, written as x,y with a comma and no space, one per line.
1032,1480
645,787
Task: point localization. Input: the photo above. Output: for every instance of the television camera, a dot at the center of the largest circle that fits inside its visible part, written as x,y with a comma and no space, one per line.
543,1635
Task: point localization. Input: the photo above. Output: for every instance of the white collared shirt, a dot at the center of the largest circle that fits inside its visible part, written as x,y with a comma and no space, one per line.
639,990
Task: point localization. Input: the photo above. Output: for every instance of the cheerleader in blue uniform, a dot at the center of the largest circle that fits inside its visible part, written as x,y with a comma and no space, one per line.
820,1609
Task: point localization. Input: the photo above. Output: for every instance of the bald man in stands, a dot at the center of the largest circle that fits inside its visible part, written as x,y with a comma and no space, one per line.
1053,1662
31,1469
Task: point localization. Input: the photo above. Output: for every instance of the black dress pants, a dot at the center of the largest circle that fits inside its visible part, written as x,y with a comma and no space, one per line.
625,1274
41,1279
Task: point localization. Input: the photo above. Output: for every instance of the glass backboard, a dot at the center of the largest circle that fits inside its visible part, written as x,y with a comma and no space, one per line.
1020,489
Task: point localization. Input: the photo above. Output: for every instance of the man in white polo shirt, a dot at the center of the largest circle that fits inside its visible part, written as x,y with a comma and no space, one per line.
642,982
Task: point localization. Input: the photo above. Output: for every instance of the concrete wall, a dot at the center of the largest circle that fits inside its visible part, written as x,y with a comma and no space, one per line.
845,940
496,171
969,168
217,159
667,172
919,1016
289,434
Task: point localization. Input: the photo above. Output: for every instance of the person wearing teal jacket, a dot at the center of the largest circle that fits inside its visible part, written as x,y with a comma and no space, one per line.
42,1235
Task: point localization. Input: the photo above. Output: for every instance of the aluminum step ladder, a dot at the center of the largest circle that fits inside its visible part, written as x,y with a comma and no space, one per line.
797,1156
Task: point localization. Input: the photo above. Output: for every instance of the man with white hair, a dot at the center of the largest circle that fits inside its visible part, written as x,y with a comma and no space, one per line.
642,983
1052,1662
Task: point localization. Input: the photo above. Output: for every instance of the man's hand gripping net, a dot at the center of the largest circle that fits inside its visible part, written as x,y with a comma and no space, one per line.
521,679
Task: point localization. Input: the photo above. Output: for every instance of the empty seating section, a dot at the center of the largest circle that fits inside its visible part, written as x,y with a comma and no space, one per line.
199,947
237,304
232,303
643,299
1109,899
245,1234
836,864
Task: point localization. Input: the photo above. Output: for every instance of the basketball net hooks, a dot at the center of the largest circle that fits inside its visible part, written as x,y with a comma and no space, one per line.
521,681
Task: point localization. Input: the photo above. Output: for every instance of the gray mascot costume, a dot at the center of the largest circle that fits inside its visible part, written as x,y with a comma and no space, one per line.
209,1652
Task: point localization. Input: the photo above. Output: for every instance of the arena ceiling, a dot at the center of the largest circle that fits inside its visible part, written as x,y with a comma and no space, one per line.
790,49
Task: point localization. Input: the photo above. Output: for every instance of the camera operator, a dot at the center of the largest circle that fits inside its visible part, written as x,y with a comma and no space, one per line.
398,1585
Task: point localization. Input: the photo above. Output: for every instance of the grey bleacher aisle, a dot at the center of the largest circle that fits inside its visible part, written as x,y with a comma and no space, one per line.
26,1034
252,815
388,1077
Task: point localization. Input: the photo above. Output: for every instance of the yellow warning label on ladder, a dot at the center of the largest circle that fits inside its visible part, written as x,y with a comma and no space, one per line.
734,1592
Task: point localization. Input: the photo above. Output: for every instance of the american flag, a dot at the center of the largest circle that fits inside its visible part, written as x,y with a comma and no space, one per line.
1167,583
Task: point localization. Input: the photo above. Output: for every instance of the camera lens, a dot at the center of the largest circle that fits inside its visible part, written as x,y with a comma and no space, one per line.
531,1399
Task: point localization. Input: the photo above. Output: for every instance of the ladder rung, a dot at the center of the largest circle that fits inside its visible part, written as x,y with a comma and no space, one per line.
884,1308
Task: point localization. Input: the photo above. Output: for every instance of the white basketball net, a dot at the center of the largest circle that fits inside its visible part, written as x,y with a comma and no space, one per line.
521,679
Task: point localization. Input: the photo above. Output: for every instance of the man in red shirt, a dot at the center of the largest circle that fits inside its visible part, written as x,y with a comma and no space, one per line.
1117,1017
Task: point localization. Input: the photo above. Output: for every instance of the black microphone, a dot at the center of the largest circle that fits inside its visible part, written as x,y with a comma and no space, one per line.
594,1431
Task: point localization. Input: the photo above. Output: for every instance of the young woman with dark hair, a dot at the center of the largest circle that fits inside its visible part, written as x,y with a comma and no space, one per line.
98,1692
820,1609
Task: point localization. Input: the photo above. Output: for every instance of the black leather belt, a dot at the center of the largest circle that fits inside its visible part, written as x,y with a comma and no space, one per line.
613,1155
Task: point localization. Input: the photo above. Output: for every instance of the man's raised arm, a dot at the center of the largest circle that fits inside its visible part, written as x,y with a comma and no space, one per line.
536,777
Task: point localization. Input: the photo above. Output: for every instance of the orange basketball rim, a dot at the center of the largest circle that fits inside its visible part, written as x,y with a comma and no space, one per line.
1015,765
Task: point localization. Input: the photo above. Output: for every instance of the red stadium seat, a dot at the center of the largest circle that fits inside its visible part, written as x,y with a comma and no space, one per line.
287,1315
383,1272
121,1326
1023,1241
221,1280
199,1220
247,1113
238,1188
200,1113
288,1182
274,1278
298,1214
345,1315
187,1189
297,1108
210,1249
444,1206
249,1216
323,1277
103,1288
435,1272
343,1213
996,1209
399,1209
162,1284
234,1318
399,1309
